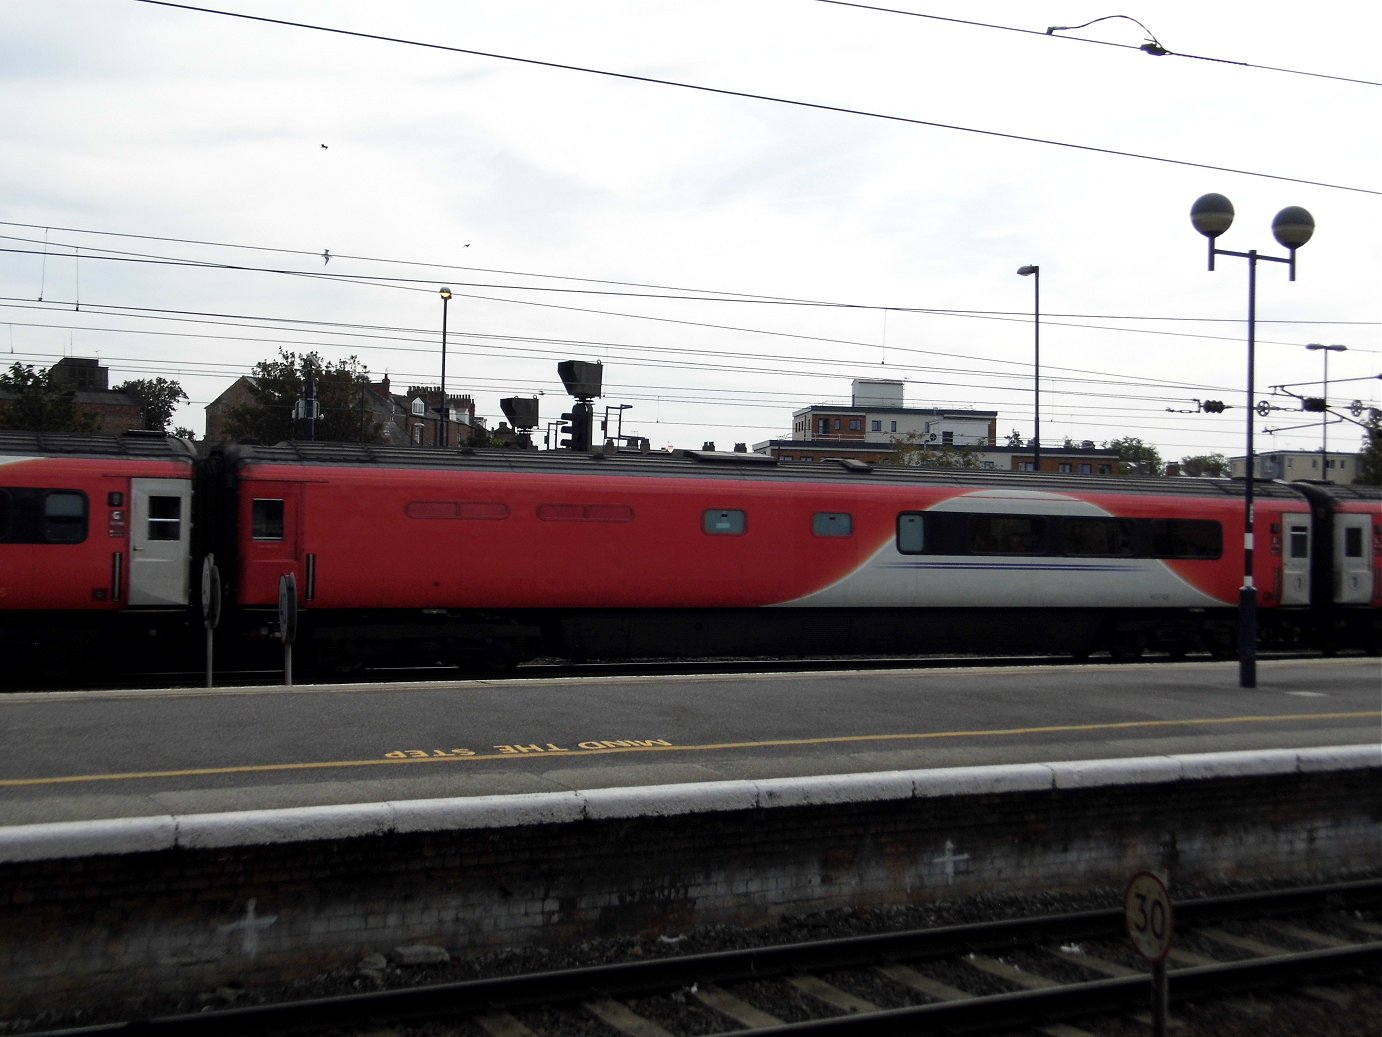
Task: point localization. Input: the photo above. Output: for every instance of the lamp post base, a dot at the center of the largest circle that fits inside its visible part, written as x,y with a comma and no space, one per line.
1247,637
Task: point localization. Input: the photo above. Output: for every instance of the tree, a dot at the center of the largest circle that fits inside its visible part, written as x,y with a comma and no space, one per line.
1136,456
910,452
278,385
1015,438
1370,457
1205,464
40,405
158,398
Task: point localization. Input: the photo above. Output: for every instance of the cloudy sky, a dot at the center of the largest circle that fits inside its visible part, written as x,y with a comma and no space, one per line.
738,206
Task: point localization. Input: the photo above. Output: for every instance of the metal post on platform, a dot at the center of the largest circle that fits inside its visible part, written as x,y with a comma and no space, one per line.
1211,215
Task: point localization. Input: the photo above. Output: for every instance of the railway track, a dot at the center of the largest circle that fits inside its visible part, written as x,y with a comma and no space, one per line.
1055,975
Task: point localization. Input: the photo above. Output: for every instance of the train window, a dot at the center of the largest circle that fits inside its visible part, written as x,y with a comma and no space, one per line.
165,518
1353,542
266,519
1007,534
64,517
459,509
1187,538
1298,543
585,513
724,522
1097,537
911,534
832,524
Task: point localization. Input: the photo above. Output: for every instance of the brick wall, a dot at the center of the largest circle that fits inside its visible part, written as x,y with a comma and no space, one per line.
92,928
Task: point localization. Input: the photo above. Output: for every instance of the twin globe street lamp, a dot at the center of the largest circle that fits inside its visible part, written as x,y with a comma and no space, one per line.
1212,214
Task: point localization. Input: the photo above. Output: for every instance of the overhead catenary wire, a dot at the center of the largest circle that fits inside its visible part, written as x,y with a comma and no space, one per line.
753,96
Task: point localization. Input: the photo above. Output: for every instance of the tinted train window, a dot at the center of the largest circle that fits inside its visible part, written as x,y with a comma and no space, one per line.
266,519
1007,534
1079,536
729,522
64,517
38,516
1186,538
832,524
1098,537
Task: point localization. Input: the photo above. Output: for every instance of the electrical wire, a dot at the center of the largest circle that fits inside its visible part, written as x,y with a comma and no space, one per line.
751,96
1153,46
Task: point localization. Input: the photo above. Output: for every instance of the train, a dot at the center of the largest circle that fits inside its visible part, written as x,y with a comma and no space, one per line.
132,553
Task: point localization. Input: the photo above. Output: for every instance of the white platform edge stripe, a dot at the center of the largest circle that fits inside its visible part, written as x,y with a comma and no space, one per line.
64,839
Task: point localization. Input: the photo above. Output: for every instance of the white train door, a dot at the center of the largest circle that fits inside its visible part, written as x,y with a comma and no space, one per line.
1352,566
160,541
1295,566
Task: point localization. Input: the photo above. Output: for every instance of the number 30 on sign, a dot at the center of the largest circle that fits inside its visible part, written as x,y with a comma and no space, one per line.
1147,912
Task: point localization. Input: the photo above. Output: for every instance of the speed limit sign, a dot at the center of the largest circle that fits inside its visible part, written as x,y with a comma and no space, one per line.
1147,912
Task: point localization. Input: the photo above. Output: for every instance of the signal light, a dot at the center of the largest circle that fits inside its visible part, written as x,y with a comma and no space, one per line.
1213,406
577,434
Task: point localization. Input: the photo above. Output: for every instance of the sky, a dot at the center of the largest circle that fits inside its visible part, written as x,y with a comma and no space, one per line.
736,206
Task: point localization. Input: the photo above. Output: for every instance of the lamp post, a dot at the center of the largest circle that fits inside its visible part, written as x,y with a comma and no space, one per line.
443,433
1035,272
1211,215
1324,417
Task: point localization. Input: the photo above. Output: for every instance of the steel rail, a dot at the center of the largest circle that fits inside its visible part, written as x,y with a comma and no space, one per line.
680,972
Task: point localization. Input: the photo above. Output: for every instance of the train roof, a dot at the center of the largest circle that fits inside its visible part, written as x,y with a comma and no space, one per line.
710,464
135,444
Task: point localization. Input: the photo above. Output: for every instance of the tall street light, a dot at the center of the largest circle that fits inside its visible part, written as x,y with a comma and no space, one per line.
443,432
1212,214
1324,417
1035,272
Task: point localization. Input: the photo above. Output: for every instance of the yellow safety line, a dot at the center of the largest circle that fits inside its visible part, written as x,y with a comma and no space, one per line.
776,743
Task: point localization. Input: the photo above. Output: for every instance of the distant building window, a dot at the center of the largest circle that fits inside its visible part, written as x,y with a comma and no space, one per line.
1026,466
1086,468
837,424
948,438
876,425
726,522
824,426
1105,470
832,524
894,426
1064,468
856,424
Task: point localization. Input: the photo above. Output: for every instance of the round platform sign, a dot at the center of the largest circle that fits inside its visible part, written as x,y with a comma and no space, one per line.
1147,912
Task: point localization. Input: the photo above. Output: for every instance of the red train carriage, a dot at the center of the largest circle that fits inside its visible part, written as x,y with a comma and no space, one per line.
410,556
403,552
95,549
